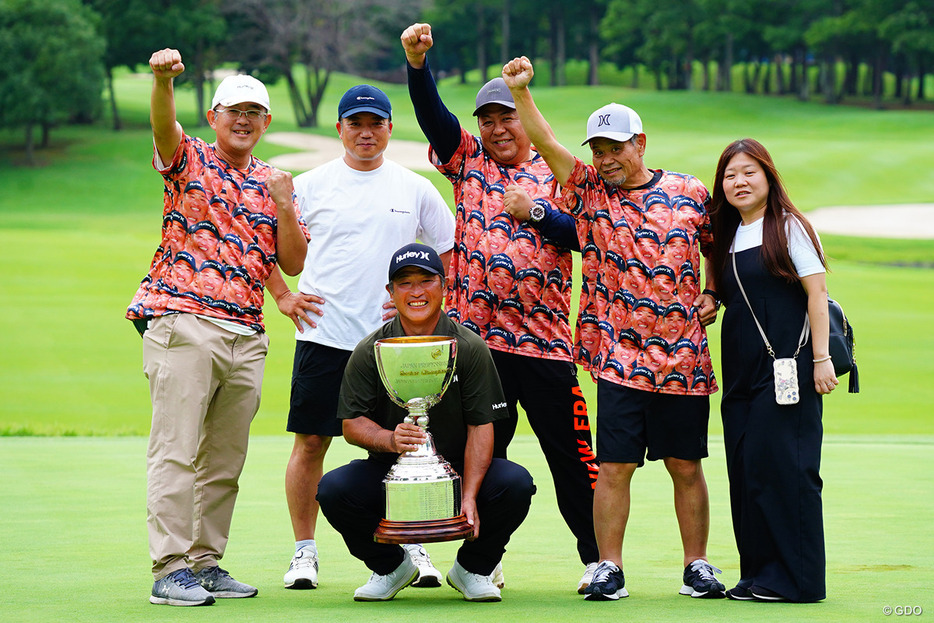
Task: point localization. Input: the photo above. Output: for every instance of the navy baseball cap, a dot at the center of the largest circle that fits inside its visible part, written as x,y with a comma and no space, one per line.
419,255
364,98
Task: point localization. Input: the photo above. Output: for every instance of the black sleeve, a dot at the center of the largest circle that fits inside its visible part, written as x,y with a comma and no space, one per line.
439,125
558,226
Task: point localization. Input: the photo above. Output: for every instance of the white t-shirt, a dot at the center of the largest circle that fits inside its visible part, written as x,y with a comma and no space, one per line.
800,248
356,220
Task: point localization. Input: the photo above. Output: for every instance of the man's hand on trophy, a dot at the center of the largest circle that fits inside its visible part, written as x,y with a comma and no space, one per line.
469,508
407,437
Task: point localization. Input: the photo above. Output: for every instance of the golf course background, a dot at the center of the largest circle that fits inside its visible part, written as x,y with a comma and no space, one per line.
77,234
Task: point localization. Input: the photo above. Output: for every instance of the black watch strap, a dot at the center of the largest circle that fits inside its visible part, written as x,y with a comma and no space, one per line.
713,295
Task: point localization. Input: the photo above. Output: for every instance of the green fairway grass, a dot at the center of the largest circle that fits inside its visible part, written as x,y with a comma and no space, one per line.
73,543
77,235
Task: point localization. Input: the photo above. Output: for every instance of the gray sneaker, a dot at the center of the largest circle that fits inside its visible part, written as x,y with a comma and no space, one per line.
180,588
219,583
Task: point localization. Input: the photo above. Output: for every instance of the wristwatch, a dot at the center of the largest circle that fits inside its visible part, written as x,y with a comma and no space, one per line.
713,295
536,212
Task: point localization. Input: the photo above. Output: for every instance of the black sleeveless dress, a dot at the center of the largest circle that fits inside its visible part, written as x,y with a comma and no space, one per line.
772,451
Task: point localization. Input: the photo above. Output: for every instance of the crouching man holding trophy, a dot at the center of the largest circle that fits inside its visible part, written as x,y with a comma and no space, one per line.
414,486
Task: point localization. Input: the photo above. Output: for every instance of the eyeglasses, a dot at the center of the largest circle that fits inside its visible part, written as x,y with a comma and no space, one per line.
235,113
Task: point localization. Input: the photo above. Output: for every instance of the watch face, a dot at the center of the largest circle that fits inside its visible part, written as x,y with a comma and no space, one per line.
536,213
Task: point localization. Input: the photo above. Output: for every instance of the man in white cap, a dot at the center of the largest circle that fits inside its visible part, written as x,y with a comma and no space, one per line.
501,183
638,414
359,208
204,354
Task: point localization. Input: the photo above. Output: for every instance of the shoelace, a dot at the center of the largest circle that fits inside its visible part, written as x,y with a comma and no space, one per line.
380,579
602,573
704,569
301,560
185,580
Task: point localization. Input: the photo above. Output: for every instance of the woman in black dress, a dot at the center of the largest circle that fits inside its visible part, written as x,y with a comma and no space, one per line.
772,450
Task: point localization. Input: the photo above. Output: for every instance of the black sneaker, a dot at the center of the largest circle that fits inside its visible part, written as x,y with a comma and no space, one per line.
763,594
608,583
739,593
699,581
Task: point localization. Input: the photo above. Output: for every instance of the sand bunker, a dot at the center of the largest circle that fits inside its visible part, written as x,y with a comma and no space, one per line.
884,221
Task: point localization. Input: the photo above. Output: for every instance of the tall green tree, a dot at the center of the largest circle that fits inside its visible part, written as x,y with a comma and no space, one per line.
198,29
305,41
52,70
130,29
910,33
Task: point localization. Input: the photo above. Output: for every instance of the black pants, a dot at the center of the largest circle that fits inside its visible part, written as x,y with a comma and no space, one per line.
353,502
554,404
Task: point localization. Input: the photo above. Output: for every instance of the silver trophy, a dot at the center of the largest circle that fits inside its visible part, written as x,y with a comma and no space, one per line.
423,492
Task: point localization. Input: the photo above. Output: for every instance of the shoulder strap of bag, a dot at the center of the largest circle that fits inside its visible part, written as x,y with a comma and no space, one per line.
805,330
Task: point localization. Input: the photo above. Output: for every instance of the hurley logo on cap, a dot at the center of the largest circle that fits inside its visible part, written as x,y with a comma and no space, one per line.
604,120
421,255
416,254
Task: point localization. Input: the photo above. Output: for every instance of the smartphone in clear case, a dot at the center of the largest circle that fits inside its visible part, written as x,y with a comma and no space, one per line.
786,381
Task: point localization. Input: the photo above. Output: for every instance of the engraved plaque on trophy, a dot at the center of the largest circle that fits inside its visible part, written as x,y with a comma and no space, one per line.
423,492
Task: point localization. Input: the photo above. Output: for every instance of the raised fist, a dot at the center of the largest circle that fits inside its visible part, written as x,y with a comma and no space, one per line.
416,41
518,73
166,63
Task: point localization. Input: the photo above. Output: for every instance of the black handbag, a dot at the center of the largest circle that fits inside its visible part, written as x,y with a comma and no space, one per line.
842,345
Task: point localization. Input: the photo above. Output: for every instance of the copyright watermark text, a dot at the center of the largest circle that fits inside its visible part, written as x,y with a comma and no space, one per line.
902,611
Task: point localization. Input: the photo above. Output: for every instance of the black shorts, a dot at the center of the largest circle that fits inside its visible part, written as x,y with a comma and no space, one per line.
632,421
317,372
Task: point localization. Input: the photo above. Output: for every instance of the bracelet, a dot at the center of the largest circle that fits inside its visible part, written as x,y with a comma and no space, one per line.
822,359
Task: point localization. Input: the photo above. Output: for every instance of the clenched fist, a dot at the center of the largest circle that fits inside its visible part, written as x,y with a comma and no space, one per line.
518,73
166,64
416,41
280,187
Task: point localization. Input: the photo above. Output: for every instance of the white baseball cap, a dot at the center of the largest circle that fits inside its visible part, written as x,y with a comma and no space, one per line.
235,90
615,122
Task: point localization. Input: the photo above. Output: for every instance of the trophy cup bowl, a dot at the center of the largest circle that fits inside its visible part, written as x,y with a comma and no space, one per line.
423,492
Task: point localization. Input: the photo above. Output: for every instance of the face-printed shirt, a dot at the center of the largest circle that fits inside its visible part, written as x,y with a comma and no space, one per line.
507,283
640,251
218,239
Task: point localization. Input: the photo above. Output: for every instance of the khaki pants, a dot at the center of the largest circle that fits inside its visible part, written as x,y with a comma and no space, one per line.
205,385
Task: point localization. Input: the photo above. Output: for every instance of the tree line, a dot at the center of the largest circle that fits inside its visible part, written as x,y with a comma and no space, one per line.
60,55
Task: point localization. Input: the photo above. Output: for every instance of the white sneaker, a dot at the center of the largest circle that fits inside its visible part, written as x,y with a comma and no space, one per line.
473,586
385,587
497,576
428,576
587,578
303,570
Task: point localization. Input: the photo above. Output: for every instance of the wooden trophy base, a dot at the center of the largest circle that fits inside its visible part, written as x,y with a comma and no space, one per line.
432,531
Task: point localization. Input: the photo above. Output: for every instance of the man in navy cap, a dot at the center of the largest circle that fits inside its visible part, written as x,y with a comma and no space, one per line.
495,493
359,208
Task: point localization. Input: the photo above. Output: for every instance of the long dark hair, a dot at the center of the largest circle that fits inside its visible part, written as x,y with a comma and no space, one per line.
724,218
